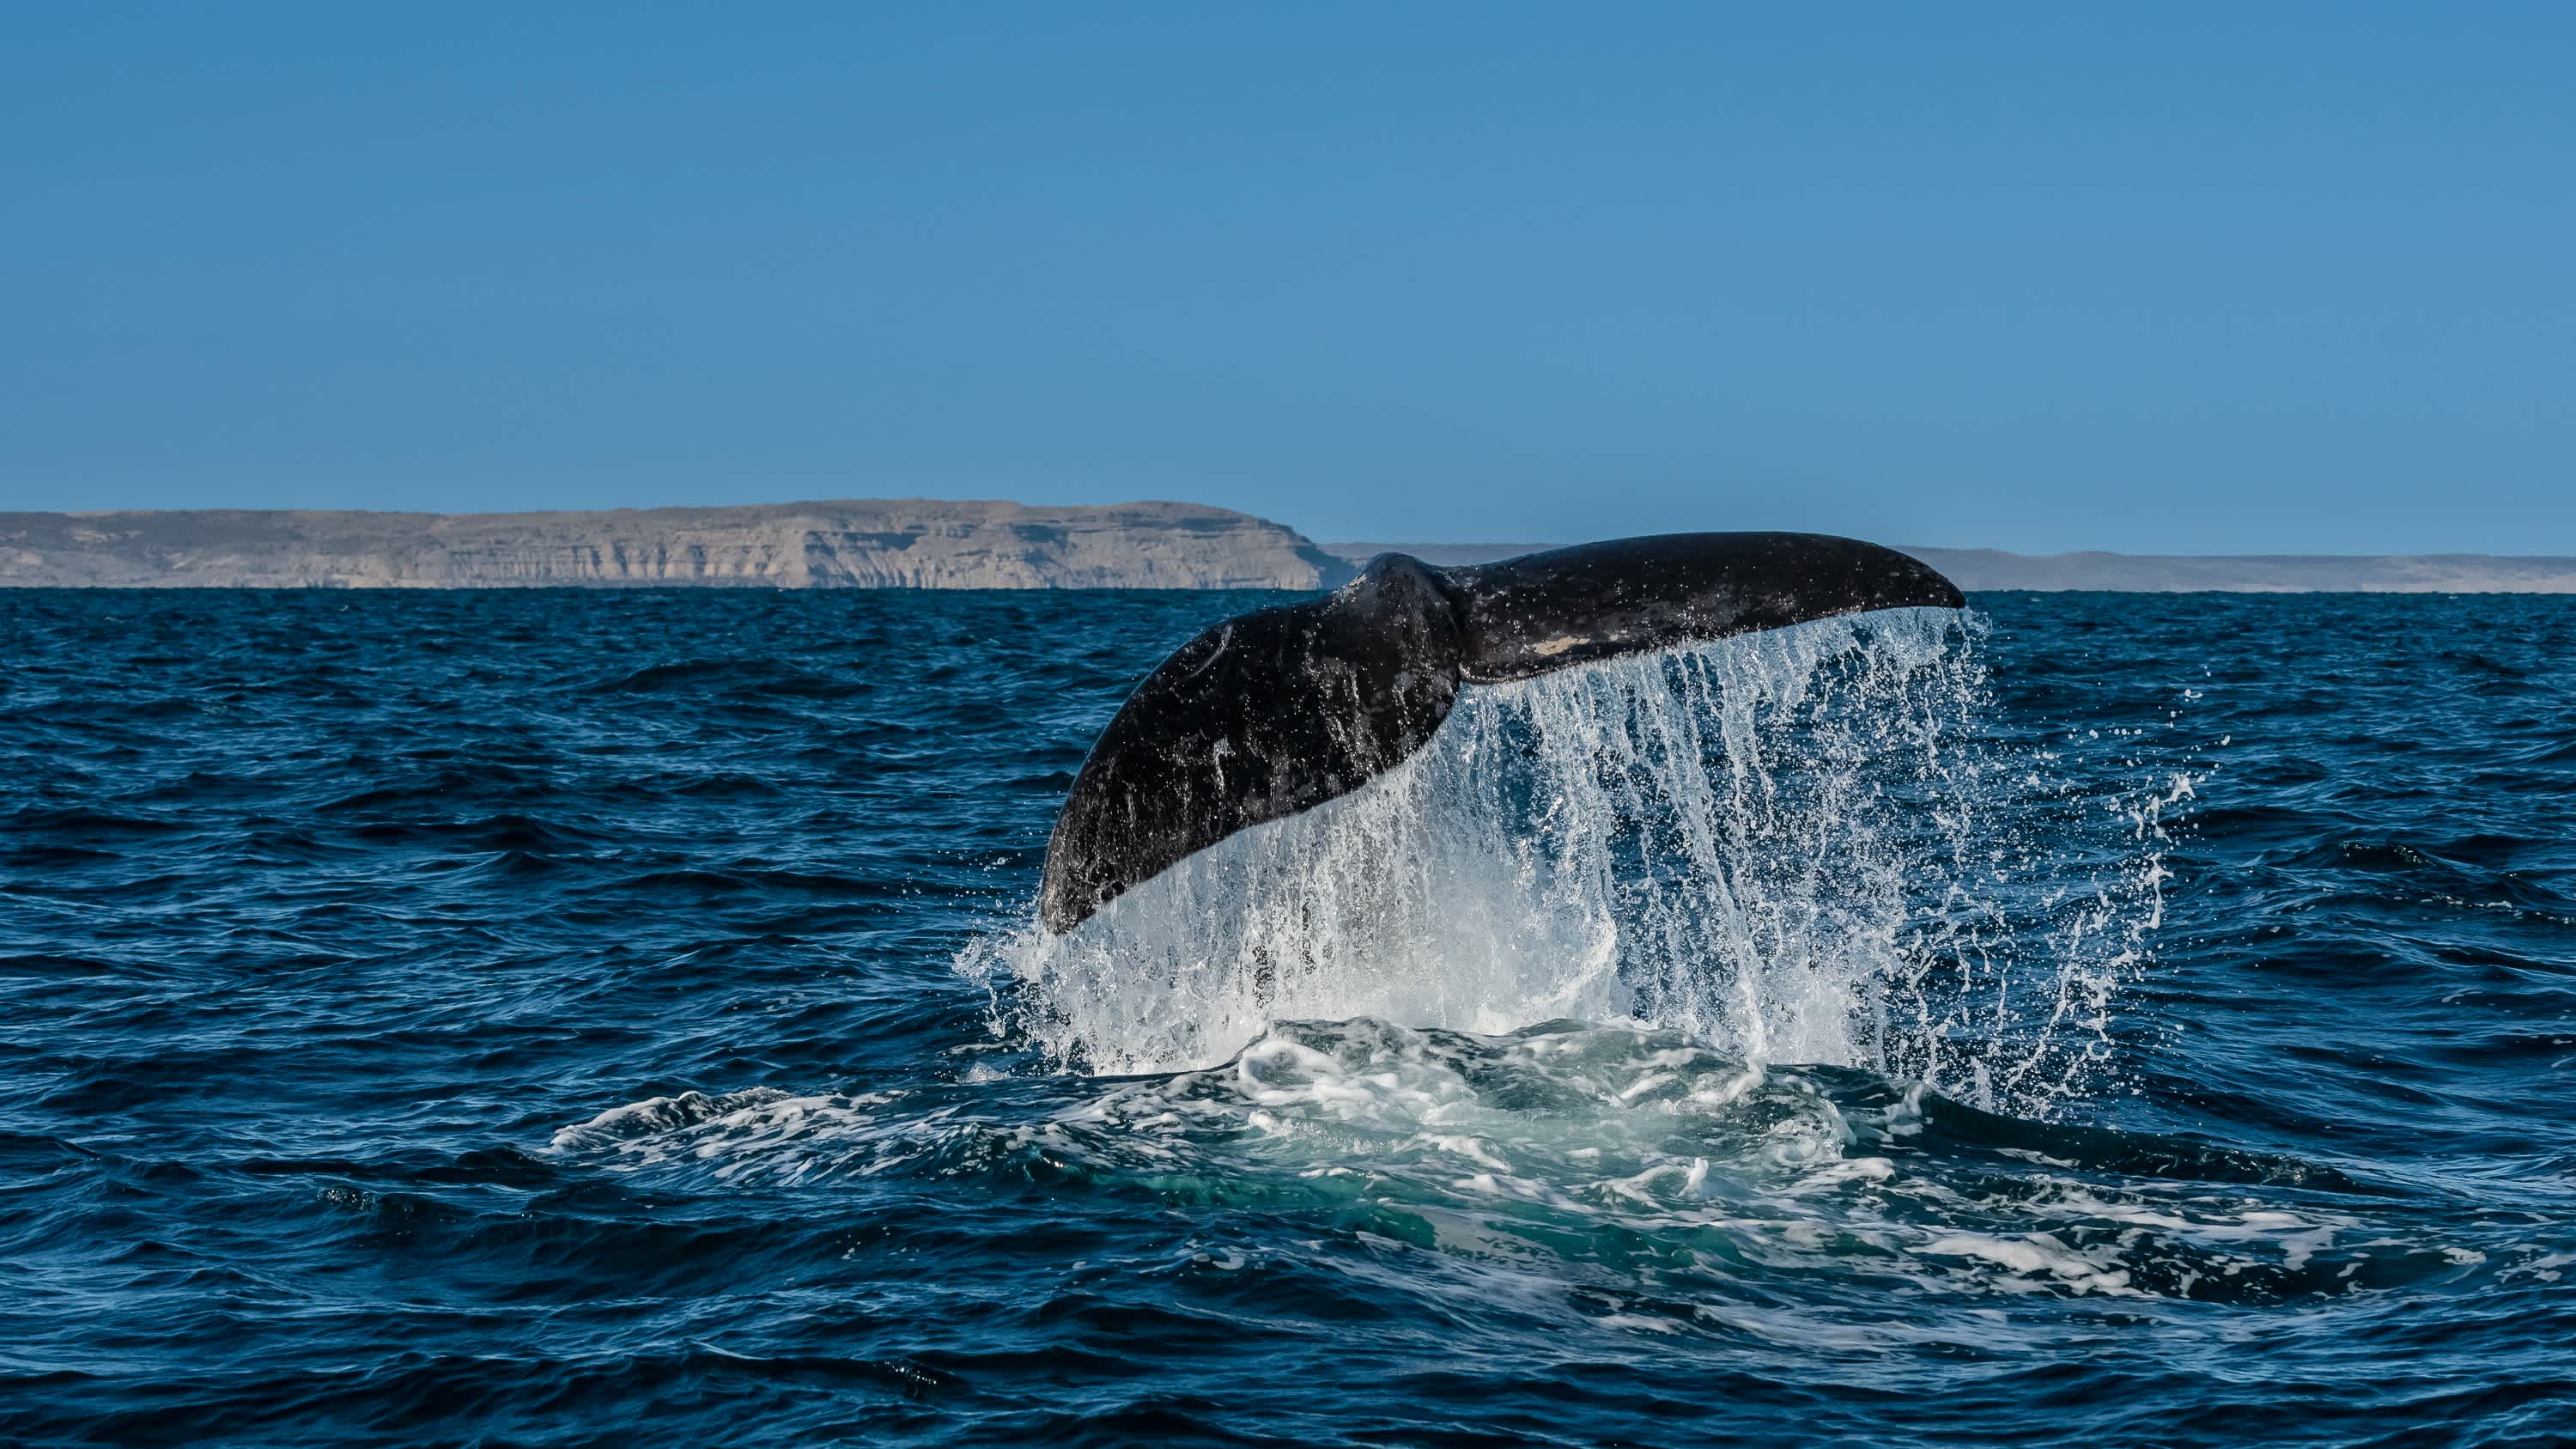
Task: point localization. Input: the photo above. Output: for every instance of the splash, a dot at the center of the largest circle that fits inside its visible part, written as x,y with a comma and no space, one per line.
1632,1168
1795,846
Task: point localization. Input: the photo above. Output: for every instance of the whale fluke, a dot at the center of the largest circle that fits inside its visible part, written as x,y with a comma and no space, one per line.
1282,709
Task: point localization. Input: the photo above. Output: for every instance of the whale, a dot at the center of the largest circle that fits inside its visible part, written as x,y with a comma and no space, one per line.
1277,711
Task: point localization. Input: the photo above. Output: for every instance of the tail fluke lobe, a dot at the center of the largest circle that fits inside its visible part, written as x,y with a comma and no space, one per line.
1262,716
1544,611
1280,710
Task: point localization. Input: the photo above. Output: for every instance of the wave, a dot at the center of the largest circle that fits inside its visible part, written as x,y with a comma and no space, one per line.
1608,1154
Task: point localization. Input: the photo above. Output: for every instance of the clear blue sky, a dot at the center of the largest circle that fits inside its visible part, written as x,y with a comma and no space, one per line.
2231,278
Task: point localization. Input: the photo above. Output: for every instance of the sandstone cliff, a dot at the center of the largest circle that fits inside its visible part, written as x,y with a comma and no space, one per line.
874,543
920,543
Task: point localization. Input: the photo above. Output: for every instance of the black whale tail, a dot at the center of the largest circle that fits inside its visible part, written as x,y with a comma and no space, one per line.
1280,710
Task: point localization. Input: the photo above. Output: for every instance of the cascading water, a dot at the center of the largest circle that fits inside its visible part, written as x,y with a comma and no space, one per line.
1794,846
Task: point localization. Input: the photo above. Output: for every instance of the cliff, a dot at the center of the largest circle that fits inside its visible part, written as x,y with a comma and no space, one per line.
930,544
875,543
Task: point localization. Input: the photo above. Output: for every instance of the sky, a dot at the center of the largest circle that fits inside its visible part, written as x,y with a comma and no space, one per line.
2280,278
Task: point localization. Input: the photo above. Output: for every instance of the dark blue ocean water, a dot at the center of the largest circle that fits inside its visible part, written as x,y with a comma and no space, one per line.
538,1018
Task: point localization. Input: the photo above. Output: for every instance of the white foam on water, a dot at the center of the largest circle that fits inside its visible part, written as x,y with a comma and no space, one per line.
1621,1165
1794,846
763,1131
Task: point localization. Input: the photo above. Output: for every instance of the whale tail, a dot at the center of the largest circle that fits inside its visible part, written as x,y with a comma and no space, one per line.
1282,709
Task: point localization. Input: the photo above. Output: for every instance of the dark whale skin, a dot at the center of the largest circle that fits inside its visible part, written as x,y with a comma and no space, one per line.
1282,709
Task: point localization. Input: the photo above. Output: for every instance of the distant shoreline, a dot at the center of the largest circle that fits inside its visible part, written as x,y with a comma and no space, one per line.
983,544
1986,570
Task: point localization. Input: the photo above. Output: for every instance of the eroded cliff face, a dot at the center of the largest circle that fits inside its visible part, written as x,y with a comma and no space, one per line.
875,543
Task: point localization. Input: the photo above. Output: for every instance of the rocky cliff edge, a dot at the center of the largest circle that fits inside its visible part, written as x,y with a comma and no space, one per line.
874,543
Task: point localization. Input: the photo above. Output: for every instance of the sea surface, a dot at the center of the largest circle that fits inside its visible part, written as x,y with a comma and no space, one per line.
560,1018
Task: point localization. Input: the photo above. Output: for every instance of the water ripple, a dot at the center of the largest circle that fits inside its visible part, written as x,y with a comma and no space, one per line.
531,1018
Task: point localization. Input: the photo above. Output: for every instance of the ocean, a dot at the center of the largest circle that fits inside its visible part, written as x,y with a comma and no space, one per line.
615,1018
